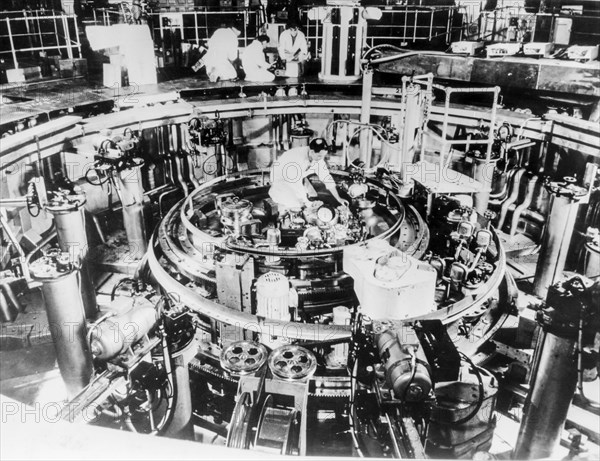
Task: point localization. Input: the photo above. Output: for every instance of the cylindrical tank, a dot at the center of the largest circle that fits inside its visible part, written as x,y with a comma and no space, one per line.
69,219
407,384
557,235
66,318
554,377
132,197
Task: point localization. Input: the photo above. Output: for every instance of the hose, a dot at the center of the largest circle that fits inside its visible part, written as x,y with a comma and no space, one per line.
480,396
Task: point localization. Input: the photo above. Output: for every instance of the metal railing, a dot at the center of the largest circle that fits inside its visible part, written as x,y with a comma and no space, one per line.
197,26
27,33
399,26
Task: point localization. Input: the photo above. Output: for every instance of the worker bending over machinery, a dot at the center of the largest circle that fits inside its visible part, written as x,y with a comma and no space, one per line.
254,63
291,171
292,44
222,52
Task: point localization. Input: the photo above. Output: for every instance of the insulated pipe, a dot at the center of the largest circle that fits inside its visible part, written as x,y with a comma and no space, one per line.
564,204
132,196
66,318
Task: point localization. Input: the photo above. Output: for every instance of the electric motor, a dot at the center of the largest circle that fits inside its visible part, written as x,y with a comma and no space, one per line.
272,296
406,368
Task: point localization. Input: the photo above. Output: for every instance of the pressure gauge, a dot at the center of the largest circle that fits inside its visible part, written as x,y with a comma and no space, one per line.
326,214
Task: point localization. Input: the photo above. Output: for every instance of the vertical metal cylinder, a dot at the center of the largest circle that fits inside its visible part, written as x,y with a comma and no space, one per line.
483,171
592,260
69,220
132,198
66,318
366,136
549,398
557,236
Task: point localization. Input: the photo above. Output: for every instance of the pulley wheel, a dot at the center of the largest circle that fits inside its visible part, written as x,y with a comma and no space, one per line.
277,430
292,362
243,357
237,436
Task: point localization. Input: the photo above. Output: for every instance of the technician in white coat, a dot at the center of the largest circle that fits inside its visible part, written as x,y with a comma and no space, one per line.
293,167
292,44
222,51
254,63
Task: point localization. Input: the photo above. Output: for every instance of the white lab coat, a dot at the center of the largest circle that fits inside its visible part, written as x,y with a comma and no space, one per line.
222,50
255,65
288,173
288,46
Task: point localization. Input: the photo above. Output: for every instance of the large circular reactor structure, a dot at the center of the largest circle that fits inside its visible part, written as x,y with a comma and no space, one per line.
365,303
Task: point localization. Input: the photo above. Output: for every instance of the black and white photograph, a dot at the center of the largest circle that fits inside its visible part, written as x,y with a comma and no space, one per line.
311,229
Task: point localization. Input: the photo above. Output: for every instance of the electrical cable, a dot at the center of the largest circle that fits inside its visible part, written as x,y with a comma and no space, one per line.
480,396
352,413
413,365
118,284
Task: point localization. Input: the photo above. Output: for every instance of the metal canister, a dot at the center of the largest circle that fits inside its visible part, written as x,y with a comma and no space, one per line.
66,317
115,335
132,200
565,199
69,219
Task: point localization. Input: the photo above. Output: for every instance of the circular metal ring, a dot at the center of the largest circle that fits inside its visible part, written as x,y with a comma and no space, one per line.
277,430
237,436
292,362
244,357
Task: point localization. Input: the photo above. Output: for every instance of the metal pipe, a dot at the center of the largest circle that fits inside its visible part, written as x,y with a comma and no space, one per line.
51,236
98,228
9,303
66,319
366,137
7,202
